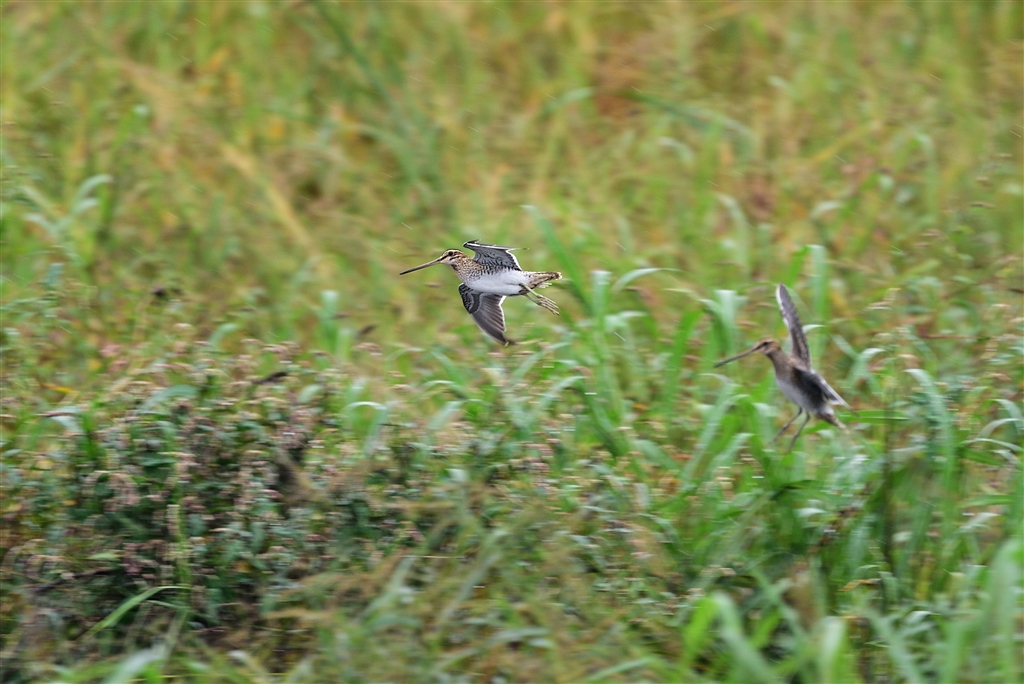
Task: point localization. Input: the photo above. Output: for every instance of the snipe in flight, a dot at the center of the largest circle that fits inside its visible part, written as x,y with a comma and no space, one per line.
488,278
793,372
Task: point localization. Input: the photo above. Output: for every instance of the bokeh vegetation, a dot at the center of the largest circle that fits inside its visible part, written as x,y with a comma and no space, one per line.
237,446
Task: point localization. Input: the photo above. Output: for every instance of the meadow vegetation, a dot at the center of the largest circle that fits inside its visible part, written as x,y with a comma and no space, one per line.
237,447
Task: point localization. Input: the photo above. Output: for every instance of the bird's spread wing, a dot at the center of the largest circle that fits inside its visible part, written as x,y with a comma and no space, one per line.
796,330
833,396
493,255
810,380
486,312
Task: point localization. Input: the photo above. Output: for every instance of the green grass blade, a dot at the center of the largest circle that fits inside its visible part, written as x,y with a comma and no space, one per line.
747,659
115,617
566,261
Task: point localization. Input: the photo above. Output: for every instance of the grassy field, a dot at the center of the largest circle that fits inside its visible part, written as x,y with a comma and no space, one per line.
237,447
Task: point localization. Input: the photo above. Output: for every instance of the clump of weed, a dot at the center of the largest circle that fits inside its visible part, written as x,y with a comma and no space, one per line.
199,471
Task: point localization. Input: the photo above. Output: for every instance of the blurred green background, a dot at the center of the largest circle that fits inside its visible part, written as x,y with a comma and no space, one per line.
181,179
260,154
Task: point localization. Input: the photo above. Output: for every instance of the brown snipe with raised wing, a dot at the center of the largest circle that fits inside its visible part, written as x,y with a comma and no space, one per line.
794,374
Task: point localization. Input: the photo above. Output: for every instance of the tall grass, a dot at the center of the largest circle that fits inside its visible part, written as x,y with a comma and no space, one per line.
237,446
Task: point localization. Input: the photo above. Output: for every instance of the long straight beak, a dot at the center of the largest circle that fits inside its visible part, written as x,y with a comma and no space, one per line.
429,263
738,356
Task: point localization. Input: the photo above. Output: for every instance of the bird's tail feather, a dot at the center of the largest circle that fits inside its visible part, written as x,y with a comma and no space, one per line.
543,279
831,418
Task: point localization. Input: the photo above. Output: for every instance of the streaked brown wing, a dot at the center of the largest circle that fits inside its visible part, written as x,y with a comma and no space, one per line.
796,329
494,255
486,312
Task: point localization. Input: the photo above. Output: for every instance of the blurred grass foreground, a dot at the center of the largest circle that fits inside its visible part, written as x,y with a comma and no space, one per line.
236,447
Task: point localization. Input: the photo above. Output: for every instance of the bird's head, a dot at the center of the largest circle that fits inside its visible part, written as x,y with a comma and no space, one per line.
765,346
449,257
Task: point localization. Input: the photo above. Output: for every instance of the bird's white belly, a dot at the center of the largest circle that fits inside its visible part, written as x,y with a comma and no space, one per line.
507,283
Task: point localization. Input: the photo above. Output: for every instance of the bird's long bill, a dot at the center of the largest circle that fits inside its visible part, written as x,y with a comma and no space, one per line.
738,356
429,263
